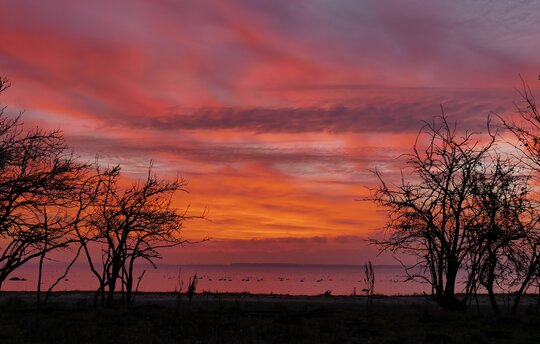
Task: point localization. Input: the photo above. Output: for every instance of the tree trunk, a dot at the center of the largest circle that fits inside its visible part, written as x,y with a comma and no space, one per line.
40,274
110,291
129,288
448,300
492,299
112,282
491,281
530,273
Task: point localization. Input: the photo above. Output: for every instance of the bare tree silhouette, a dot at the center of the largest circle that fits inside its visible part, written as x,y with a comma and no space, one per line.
50,201
38,175
525,128
430,214
129,224
503,210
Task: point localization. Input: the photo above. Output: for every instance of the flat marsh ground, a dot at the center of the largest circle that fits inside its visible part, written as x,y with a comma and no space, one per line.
244,318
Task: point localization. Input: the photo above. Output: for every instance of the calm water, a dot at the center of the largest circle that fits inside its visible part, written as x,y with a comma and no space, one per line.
252,278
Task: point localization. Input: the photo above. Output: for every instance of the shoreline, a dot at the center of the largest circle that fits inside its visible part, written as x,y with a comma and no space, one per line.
170,299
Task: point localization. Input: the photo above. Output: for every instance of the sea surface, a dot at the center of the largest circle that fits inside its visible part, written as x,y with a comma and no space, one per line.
289,279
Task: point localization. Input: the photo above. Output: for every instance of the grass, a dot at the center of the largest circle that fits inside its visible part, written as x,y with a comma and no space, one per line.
250,319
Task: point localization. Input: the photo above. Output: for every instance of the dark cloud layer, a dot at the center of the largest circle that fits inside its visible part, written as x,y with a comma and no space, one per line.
383,118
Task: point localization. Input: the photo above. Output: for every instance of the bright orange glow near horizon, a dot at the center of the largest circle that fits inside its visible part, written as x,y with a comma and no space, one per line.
274,112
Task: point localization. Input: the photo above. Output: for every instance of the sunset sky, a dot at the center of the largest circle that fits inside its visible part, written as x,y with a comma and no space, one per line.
273,111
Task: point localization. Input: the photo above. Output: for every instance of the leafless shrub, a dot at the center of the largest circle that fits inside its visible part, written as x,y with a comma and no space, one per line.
369,279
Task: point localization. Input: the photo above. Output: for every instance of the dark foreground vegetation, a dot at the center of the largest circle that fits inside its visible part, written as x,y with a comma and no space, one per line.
244,318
